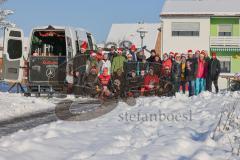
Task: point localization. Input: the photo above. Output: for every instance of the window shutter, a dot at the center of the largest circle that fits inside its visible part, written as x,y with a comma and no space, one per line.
186,26
225,28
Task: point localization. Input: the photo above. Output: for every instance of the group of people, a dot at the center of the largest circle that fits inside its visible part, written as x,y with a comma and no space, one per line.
128,72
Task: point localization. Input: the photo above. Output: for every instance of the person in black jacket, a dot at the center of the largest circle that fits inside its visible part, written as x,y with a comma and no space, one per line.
176,70
208,77
80,61
191,72
151,59
112,53
91,82
134,83
214,71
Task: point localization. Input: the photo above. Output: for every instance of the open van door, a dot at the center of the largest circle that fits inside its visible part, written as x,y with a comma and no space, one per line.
13,55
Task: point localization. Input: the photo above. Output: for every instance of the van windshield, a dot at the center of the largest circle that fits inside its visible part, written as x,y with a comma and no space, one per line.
48,43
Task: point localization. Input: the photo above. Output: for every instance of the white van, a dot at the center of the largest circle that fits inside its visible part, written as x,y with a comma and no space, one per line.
49,52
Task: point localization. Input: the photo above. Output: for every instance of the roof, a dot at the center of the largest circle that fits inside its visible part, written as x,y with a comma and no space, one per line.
201,7
121,32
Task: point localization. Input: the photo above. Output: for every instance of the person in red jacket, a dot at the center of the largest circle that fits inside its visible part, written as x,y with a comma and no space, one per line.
104,80
167,62
201,74
151,82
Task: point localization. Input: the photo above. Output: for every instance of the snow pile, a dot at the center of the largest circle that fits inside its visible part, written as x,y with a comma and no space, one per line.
15,105
178,128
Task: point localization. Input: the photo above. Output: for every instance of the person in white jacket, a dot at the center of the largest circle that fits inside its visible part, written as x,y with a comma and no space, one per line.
105,63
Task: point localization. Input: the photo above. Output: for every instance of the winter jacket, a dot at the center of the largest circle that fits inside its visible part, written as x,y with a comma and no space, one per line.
118,63
104,64
191,69
90,63
183,73
134,56
176,70
207,62
150,81
111,55
168,63
104,80
214,69
168,77
201,70
90,80
151,59
79,62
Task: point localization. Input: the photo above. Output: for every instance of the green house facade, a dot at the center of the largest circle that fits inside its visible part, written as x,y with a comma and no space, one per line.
225,41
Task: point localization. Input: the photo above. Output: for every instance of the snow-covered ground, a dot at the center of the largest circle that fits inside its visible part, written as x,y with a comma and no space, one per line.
15,105
131,133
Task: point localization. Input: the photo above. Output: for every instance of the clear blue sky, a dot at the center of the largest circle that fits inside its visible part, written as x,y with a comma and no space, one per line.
94,15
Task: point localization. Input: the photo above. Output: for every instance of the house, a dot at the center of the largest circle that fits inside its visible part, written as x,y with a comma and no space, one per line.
212,25
130,32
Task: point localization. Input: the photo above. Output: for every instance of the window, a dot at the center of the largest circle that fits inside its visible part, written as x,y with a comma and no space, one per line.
15,34
185,29
225,63
225,30
14,49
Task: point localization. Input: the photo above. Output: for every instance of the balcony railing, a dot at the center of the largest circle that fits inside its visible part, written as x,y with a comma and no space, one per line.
225,41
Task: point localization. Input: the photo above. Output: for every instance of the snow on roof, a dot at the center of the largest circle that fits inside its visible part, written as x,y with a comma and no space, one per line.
121,32
201,7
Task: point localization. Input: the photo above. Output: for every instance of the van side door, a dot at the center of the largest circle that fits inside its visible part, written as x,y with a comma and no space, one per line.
13,55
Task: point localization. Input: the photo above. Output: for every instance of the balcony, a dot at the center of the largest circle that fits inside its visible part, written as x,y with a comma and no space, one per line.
226,42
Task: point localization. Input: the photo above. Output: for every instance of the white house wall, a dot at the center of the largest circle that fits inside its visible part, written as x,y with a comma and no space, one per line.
182,44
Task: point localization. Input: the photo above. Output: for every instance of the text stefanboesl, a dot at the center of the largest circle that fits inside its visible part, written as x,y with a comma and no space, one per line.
159,116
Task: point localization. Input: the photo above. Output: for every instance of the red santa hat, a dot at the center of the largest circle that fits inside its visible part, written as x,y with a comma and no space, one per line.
171,54
84,45
120,50
190,51
133,48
